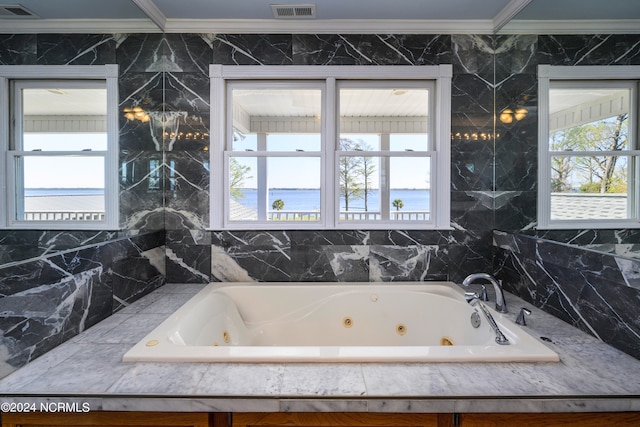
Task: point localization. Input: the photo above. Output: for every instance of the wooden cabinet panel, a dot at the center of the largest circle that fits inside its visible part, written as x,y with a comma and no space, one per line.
106,419
602,419
337,419
317,419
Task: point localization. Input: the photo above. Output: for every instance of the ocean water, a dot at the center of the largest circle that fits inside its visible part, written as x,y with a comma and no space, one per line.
294,199
62,191
309,200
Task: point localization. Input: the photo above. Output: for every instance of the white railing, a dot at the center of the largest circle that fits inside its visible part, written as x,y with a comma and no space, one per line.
293,216
410,216
64,216
393,215
348,216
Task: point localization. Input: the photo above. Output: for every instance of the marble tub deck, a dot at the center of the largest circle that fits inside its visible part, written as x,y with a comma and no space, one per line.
591,376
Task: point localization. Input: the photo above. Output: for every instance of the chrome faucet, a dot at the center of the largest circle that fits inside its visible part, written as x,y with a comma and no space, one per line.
475,302
501,303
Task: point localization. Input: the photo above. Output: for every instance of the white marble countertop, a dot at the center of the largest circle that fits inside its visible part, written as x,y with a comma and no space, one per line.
591,376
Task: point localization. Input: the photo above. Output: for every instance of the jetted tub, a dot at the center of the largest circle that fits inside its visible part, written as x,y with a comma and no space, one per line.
359,322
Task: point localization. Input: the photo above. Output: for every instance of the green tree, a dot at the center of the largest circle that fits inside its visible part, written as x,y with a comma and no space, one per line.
601,173
561,166
348,170
277,205
356,173
603,135
237,175
398,204
367,170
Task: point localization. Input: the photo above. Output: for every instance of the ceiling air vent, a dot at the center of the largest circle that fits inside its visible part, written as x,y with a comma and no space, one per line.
15,11
293,11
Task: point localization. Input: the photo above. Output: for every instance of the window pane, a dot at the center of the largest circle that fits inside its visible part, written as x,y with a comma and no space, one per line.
589,187
65,141
410,185
293,142
64,119
359,142
243,205
293,114
60,188
589,119
408,142
294,188
274,189
384,188
388,111
360,187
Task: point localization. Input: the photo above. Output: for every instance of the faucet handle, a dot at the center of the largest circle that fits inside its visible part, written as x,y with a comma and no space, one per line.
483,294
521,320
470,296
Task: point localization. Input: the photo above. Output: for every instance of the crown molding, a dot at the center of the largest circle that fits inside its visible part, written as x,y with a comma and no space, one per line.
591,26
149,8
508,12
329,26
74,26
342,26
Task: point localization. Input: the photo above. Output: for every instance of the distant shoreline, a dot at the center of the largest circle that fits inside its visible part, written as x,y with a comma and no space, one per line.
45,192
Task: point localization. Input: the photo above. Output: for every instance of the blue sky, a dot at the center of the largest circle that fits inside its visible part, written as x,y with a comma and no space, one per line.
64,172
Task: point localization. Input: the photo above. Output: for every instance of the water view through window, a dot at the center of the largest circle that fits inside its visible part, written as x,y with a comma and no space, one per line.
60,149
380,156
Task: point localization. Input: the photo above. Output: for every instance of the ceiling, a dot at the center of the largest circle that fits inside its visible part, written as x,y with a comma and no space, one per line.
330,16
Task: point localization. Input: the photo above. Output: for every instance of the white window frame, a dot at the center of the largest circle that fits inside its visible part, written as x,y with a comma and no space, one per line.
548,74
329,75
107,73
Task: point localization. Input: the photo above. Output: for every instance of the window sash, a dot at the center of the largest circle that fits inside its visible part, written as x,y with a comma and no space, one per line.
306,221
15,201
553,77
385,216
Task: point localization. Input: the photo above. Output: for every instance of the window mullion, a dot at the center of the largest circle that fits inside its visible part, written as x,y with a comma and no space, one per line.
330,182
16,180
385,185
263,188
544,155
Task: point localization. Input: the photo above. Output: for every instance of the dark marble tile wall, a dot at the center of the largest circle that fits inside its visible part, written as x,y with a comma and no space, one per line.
516,142
594,291
46,301
54,284
625,243
312,256
21,245
197,255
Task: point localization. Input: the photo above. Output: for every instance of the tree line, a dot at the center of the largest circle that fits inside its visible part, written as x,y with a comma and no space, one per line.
356,176
601,173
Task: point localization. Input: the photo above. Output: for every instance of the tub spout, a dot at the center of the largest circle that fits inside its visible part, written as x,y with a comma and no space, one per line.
501,304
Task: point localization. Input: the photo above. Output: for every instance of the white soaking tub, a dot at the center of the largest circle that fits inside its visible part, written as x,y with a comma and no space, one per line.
357,322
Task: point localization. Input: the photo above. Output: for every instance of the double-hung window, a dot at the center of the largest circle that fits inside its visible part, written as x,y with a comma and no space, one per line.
60,147
589,164
330,147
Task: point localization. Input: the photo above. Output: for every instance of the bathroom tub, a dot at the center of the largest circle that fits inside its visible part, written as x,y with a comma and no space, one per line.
358,322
